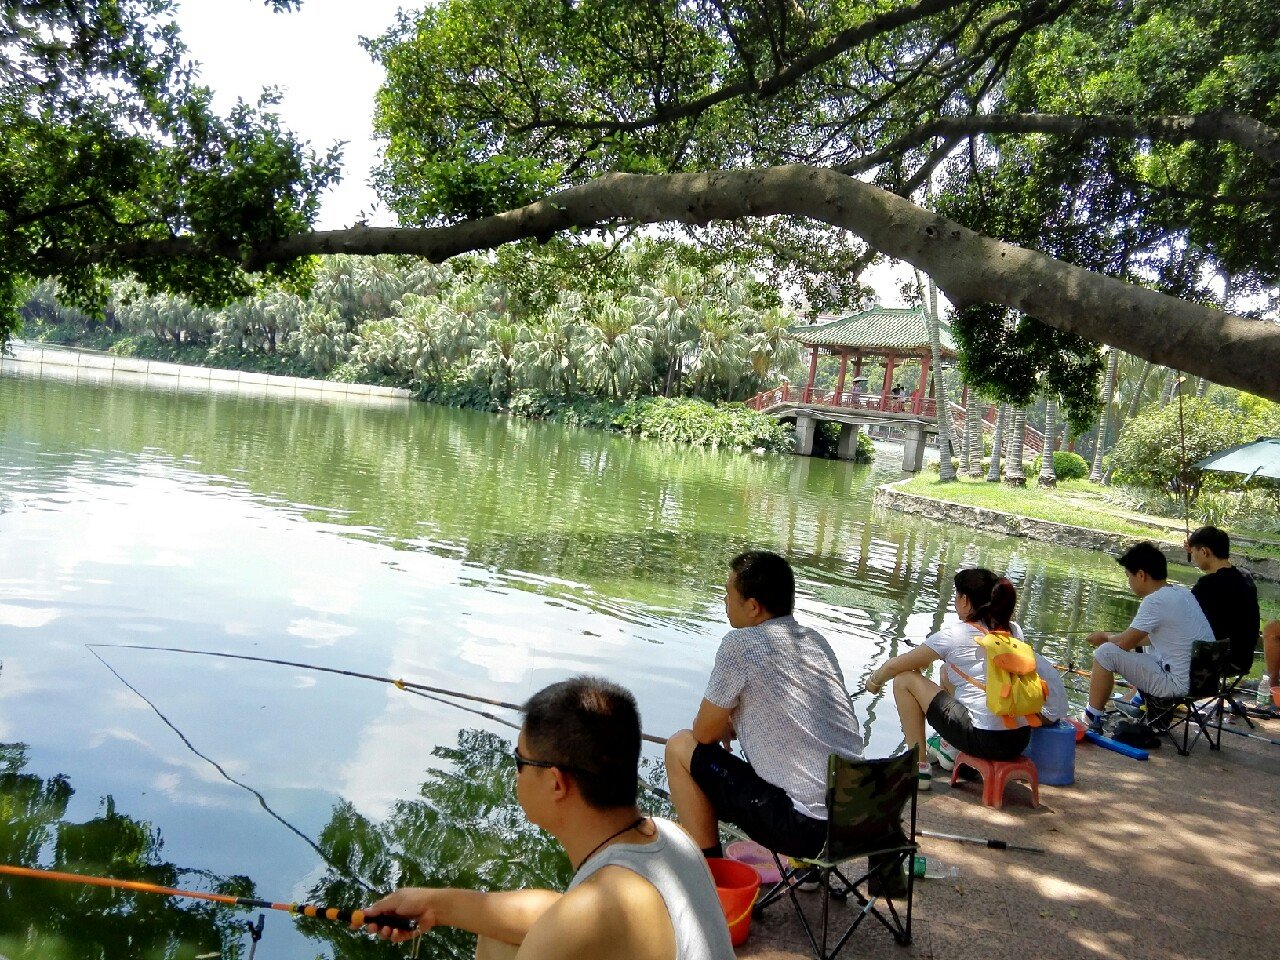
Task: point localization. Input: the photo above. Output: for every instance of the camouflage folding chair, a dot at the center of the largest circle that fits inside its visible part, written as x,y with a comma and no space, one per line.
1174,716
867,803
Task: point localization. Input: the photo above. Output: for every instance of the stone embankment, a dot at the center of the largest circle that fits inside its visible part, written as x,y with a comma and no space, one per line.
1061,534
89,366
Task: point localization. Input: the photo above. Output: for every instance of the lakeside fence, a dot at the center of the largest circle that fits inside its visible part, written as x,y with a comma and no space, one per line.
87,366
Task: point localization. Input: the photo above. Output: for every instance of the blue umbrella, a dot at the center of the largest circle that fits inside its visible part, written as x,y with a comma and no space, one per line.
1261,458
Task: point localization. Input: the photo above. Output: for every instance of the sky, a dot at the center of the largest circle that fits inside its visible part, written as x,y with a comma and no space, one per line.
313,55
328,83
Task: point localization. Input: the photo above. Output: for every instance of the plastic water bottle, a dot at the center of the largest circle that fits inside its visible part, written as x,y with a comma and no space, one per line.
1263,697
932,868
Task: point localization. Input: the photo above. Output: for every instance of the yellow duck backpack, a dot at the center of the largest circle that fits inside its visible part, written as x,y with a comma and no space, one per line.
1014,688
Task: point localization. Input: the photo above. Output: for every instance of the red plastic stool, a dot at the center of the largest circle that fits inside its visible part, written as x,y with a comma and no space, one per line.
996,774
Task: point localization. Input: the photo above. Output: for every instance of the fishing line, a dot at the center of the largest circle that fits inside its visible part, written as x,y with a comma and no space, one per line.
262,801
419,688
355,918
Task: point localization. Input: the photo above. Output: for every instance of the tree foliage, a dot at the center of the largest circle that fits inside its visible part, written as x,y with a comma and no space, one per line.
108,140
1133,139
1161,445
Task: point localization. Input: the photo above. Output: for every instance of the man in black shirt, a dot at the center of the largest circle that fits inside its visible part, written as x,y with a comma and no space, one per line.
1226,593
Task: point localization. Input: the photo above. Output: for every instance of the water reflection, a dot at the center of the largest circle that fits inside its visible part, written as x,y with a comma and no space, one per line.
45,920
464,829
461,550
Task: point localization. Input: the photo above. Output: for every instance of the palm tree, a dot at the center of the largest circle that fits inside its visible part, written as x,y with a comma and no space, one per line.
1104,421
553,352
618,349
973,435
997,444
493,365
1048,474
946,470
1013,473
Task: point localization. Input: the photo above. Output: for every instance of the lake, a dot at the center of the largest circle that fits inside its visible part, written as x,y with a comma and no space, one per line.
460,550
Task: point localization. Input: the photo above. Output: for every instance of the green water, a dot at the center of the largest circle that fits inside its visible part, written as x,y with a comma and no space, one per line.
465,551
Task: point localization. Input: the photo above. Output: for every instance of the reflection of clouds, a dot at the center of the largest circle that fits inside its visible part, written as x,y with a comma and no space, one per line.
335,593
238,628
320,633
26,617
394,752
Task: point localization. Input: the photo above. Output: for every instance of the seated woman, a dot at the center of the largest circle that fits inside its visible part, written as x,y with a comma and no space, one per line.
958,708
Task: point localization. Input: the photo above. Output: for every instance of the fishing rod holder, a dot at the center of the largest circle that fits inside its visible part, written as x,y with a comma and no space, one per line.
255,933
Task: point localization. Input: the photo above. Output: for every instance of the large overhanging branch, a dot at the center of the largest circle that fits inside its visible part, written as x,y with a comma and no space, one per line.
1222,125
969,267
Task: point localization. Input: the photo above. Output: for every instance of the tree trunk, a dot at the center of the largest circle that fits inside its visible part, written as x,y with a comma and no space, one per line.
1135,401
1048,474
974,429
946,470
1104,421
997,443
1170,384
1014,475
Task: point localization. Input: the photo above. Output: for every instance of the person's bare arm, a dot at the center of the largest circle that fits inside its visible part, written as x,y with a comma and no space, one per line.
713,724
916,659
507,915
1125,640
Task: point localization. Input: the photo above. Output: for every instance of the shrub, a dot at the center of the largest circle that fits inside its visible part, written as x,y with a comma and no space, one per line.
1150,451
732,425
1066,465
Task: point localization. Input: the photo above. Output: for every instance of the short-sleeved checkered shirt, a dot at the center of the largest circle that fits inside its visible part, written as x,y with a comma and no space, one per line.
789,706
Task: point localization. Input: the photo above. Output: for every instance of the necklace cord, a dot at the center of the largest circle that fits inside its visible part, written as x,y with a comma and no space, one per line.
612,836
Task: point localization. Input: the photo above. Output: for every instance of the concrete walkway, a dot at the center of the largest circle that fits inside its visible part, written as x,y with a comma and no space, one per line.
1177,858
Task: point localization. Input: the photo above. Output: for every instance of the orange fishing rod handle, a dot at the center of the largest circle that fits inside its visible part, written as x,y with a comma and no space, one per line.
356,918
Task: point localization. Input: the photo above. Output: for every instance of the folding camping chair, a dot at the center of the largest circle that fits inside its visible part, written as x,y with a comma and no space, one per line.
1174,715
867,811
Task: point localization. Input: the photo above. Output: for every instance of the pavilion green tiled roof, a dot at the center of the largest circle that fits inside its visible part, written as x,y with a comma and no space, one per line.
880,329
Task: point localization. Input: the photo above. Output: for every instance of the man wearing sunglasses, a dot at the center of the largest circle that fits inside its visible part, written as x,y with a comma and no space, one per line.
640,891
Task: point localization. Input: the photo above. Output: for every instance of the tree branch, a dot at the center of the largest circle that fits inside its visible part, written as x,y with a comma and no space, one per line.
763,89
1245,132
969,267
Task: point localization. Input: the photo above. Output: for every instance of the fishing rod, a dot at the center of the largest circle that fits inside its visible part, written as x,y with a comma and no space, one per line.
262,801
354,918
400,684
980,841
1251,736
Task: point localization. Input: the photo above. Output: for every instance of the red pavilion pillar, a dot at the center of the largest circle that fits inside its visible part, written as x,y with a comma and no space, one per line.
844,364
889,363
813,375
924,385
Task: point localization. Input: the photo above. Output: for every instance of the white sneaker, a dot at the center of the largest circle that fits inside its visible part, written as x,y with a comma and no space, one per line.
924,777
941,752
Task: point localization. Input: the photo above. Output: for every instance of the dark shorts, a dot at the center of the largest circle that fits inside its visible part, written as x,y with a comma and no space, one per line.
948,716
764,812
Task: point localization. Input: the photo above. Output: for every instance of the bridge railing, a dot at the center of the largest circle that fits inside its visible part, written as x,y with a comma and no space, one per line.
847,399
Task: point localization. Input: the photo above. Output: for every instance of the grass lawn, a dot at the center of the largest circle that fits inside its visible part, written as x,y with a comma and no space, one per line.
1077,503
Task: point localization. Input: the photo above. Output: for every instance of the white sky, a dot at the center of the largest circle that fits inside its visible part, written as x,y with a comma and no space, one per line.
328,84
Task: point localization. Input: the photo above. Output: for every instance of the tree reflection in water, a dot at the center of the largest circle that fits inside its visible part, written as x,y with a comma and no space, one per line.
61,921
464,829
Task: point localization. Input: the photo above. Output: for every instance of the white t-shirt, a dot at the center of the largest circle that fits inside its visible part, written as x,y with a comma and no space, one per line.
1172,619
790,708
956,643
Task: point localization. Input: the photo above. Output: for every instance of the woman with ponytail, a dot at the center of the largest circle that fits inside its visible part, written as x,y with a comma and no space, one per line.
958,708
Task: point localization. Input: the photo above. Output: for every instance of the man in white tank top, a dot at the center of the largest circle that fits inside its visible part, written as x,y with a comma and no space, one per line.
641,888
